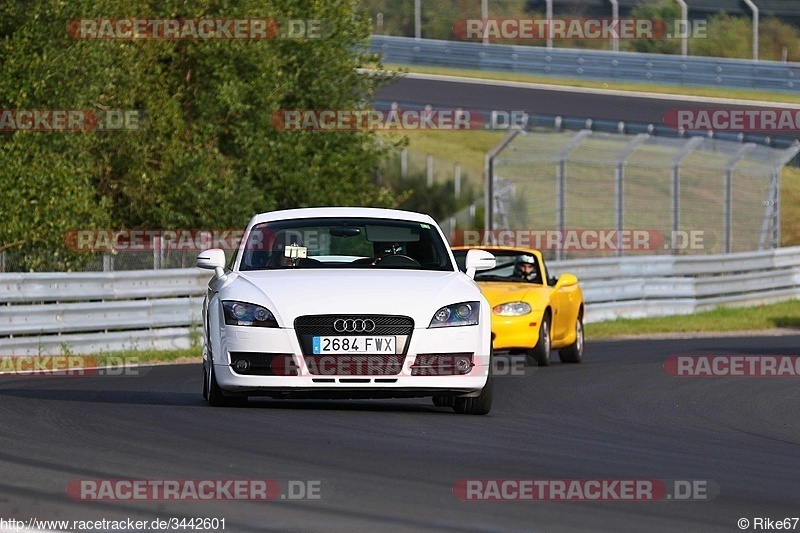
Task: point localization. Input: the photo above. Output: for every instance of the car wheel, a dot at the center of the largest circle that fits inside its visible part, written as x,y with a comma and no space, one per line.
481,404
541,352
444,401
205,382
217,399
574,352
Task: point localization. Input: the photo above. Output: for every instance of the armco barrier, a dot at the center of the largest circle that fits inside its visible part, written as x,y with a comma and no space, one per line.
650,286
591,64
47,313
89,312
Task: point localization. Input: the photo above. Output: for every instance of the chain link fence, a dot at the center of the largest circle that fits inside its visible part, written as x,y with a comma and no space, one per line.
593,194
571,194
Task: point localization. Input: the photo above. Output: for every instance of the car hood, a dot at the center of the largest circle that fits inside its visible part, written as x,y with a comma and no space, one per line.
503,292
292,293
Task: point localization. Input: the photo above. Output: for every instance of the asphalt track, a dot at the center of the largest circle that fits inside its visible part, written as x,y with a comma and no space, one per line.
532,98
390,465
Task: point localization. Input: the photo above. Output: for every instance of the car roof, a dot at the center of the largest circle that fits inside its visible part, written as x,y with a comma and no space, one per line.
331,212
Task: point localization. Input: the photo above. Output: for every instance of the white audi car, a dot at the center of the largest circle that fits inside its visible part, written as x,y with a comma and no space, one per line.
346,302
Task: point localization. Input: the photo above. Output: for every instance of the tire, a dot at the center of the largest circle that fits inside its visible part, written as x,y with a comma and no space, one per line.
574,352
480,405
541,352
217,399
205,382
444,401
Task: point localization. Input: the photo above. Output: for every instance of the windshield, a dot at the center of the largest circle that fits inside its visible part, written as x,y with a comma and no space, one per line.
512,266
345,242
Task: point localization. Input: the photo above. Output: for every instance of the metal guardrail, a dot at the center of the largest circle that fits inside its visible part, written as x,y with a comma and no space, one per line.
650,286
591,64
83,286
90,312
82,313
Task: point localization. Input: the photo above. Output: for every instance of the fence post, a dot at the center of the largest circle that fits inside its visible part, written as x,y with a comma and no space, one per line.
156,252
684,27
776,211
417,20
457,180
404,162
484,16
754,9
675,186
619,185
549,16
561,184
430,170
615,18
108,262
771,222
727,192
488,175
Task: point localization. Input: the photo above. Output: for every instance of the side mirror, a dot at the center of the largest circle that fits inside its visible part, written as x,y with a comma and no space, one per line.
566,280
479,260
212,259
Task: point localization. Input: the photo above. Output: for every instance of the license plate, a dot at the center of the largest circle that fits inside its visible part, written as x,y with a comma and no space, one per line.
345,345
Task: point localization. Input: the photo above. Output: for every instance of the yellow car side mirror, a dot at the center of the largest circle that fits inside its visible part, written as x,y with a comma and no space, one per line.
566,280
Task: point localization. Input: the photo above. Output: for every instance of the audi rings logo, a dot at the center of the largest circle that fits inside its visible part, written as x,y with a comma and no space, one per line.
354,325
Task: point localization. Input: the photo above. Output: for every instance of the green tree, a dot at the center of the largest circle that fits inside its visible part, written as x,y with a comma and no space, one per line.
726,36
667,11
775,35
209,155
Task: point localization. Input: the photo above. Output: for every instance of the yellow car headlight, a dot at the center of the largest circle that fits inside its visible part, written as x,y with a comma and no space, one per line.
512,309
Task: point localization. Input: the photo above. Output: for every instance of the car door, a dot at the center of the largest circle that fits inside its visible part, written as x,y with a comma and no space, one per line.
565,304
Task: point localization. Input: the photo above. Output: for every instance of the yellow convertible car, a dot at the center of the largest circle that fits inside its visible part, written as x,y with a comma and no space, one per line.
531,312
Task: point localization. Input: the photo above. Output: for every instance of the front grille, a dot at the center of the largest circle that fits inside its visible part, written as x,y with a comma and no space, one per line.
310,326
355,365
323,324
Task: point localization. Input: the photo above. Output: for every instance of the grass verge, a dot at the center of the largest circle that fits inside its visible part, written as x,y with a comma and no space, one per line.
174,355
784,315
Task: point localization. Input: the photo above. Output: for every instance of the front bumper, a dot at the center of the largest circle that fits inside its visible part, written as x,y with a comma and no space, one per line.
516,332
309,382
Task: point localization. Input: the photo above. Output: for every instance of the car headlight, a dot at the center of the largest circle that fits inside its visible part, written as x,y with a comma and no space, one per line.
512,309
245,314
462,314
